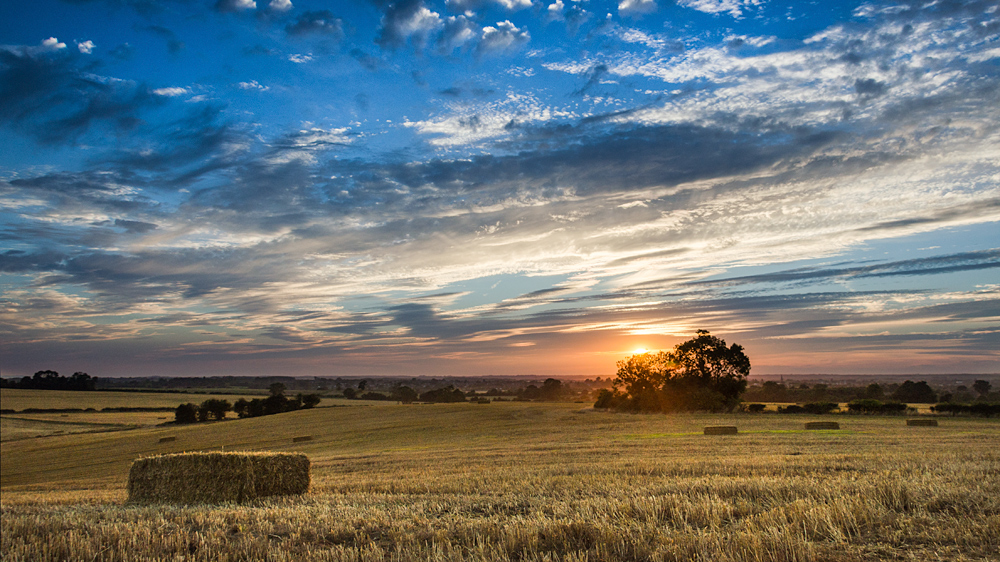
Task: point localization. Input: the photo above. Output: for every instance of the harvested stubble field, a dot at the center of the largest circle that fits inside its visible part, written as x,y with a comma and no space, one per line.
19,399
520,481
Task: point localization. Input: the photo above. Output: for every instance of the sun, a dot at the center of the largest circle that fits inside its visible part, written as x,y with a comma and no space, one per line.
640,350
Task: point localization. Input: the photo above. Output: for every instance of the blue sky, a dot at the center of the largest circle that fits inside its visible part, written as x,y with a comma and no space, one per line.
497,187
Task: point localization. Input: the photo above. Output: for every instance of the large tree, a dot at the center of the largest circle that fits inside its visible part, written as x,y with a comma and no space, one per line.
702,373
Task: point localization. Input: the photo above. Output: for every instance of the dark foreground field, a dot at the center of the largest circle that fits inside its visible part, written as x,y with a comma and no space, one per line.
518,481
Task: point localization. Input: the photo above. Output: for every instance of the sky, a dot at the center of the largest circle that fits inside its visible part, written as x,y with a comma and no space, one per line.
497,187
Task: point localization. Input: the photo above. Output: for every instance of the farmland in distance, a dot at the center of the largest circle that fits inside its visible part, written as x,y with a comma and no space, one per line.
527,481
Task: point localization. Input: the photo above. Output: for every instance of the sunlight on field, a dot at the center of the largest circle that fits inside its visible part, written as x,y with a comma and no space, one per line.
20,399
518,481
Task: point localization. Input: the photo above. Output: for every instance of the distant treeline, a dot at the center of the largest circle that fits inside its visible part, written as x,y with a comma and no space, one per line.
216,408
551,389
51,380
918,392
116,409
871,406
977,409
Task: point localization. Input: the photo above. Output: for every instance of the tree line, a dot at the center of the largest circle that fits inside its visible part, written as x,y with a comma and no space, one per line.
551,389
216,408
52,380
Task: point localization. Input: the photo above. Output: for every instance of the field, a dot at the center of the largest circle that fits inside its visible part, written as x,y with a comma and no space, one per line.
524,481
20,399
17,425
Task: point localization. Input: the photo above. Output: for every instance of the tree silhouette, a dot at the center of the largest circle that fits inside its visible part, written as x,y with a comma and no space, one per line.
186,413
981,387
699,374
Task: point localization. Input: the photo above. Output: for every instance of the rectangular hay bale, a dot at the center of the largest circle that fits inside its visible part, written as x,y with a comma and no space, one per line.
720,430
822,425
922,423
302,438
217,477
167,439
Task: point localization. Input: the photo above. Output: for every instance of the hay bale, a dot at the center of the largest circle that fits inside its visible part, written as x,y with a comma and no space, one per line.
217,477
720,430
167,439
922,423
301,439
822,425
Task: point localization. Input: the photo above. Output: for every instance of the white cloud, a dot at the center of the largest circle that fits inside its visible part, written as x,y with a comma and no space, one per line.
171,92
86,47
458,31
514,4
280,5
253,85
52,44
555,10
300,58
635,7
244,4
422,22
732,7
468,125
630,35
504,37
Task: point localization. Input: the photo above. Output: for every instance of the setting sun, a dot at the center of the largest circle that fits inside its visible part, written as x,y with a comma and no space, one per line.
640,350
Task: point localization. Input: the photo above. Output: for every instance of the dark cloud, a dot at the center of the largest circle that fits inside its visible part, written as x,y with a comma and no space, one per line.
187,148
869,87
621,160
458,32
19,261
596,73
135,227
966,261
406,20
229,6
55,100
320,22
368,61
174,44
942,215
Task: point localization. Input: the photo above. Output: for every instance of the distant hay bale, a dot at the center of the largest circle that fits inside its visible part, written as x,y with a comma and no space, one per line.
167,439
822,425
216,477
720,430
302,438
922,423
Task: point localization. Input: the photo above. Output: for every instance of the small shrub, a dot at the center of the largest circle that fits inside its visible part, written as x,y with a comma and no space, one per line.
792,409
871,406
820,407
756,408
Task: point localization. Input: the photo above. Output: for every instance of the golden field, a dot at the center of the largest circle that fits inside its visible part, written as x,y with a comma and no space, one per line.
19,399
527,481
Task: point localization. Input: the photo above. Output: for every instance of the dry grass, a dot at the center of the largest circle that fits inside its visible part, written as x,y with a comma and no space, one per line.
19,399
217,477
532,482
